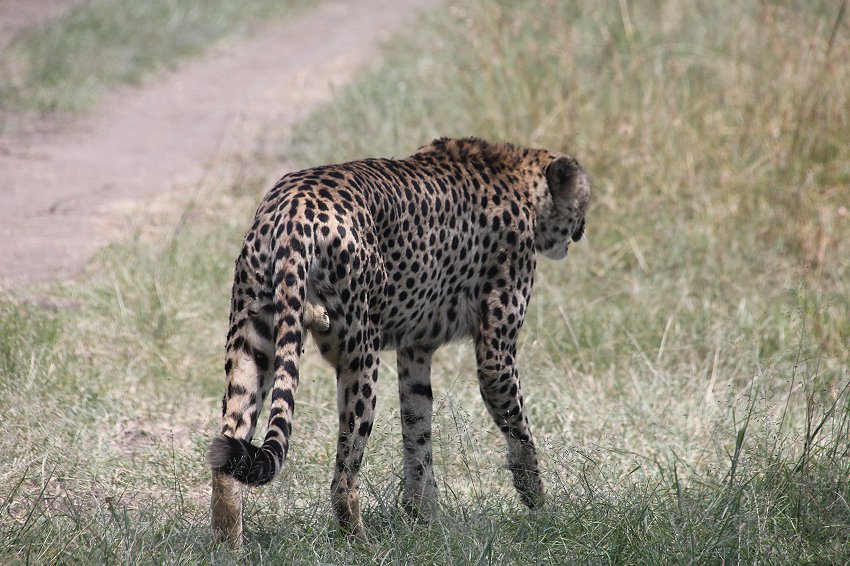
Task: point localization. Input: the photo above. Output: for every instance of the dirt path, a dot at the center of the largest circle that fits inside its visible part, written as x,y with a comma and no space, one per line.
55,188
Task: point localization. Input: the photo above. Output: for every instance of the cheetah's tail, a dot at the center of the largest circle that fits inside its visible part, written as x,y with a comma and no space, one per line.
258,465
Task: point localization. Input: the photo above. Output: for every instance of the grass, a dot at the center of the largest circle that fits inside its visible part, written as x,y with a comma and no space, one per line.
65,65
686,370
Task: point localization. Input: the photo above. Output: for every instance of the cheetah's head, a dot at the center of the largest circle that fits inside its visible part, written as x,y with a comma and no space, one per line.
561,219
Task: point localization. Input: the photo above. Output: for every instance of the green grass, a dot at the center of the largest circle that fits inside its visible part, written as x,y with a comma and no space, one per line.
66,64
685,371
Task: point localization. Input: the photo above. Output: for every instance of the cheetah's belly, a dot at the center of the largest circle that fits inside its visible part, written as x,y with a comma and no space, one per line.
444,318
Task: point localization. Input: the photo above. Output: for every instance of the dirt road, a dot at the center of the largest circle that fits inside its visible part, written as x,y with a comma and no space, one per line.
55,187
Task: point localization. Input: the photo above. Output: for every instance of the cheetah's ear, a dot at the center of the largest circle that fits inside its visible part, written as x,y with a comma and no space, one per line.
568,183
562,175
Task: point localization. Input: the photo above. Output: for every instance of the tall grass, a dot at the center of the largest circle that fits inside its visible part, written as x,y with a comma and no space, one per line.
686,370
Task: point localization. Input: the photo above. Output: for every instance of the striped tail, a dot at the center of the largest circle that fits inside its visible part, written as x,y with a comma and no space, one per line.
237,457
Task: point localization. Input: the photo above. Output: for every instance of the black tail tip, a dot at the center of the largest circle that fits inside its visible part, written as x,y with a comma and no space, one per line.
239,458
226,453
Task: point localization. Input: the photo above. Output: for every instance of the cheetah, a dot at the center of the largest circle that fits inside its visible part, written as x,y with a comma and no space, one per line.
377,254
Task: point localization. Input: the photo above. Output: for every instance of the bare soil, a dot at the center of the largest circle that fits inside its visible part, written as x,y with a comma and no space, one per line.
60,184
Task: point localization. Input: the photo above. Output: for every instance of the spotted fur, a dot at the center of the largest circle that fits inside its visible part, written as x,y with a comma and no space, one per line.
384,254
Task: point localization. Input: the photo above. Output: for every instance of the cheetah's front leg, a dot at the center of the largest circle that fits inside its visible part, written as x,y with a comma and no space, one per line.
498,381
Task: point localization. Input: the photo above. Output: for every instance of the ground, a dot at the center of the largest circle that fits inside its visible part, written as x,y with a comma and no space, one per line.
65,184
